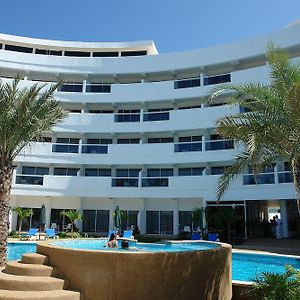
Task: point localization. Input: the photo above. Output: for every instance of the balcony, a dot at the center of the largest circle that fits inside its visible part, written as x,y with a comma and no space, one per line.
263,178
188,147
29,179
156,116
121,118
65,148
94,149
155,182
285,177
125,182
219,145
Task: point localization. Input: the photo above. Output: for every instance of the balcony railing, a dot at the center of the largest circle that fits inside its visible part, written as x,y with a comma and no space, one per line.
134,117
263,178
219,145
70,88
125,182
186,147
29,179
94,149
155,182
65,148
156,116
285,177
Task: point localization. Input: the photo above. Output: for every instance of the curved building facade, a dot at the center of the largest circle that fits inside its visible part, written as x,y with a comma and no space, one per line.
140,134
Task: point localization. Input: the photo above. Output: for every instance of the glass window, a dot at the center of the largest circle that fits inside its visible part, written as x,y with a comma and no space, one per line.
209,80
152,222
130,218
105,172
91,172
185,220
105,54
217,170
28,170
102,220
88,220
134,53
77,53
166,222
18,48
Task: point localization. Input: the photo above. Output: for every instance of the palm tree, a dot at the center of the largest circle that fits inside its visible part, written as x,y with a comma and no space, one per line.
73,215
272,286
270,127
25,115
23,214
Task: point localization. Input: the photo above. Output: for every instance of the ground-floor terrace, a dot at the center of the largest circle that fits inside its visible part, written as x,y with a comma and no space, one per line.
233,220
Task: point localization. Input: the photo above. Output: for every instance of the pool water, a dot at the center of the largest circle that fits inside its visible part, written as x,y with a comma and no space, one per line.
244,266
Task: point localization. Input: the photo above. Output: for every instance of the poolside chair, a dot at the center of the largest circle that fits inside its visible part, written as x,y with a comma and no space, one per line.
128,234
30,234
213,237
50,233
196,236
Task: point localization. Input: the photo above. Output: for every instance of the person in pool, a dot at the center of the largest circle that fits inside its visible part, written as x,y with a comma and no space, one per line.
125,244
112,242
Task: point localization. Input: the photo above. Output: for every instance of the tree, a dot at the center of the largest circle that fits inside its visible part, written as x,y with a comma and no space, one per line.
73,216
25,115
270,127
272,286
23,214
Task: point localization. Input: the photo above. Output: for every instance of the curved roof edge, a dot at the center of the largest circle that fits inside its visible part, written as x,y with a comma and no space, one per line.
34,42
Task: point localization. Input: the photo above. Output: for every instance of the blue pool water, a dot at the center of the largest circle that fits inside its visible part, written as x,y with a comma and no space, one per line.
244,266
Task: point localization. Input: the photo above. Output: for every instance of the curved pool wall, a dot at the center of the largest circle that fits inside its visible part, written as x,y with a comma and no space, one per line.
137,275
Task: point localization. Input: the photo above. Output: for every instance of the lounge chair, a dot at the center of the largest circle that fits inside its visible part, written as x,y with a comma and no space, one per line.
213,237
50,233
196,236
128,234
30,234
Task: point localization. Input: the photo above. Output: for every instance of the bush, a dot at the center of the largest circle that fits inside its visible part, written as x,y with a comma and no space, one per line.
148,239
13,234
183,235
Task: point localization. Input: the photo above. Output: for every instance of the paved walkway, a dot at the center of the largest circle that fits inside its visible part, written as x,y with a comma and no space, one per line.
284,246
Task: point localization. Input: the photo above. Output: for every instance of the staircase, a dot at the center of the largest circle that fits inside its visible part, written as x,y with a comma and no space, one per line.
33,279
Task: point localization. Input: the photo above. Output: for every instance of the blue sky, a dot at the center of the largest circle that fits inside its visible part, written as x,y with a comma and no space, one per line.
174,25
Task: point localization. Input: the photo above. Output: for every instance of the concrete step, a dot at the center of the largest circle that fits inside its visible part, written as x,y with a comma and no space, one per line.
40,295
21,269
30,283
35,258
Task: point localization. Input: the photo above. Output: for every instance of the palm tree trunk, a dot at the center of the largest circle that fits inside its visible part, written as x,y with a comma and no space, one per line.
6,174
296,178
20,226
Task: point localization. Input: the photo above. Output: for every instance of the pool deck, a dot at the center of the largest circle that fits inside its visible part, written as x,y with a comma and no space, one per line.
283,246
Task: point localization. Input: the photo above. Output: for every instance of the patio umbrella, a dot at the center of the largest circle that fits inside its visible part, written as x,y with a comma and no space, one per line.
43,216
202,220
117,216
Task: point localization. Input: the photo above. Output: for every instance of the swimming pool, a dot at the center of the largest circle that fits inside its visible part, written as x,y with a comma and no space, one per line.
245,266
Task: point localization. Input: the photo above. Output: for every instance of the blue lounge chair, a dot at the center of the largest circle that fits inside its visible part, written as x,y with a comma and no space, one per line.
196,236
31,232
128,234
50,233
213,237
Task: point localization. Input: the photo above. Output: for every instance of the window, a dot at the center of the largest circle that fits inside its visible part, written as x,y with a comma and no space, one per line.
167,172
100,111
98,88
130,218
190,171
32,175
48,52
127,115
187,83
128,141
159,222
18,48
66,171
105,54
185,220
189,143
70,88
99,141
189,107
128,172
160,140
77,53
98,172
217,142
210,80
134,53
217,170
95,221
66,145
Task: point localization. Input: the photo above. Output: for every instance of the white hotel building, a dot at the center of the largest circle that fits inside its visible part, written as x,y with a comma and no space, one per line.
140,134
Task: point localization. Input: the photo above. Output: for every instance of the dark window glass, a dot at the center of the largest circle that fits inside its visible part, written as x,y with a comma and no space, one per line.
184,139
153,173
48,52
187,83
105,54
89,220
130,218
18,48
105,172
28,170
152,222
128,141
166,172
122,173
102,220
77,53
98,88
91,172
133,53
159,116
217,170
71,88
100,111
42,171
209,80
65,171
166,222
185,220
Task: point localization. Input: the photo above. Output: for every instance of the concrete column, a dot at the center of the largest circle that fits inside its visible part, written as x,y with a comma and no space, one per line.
203,142
276,173
10,218
141,218
84,86
47,203
284,219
